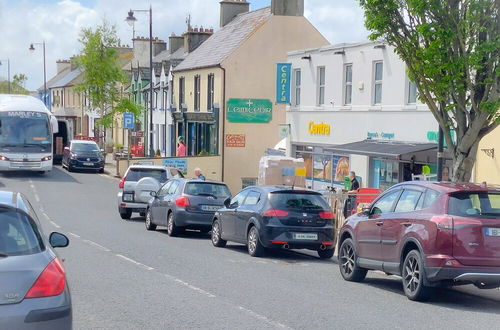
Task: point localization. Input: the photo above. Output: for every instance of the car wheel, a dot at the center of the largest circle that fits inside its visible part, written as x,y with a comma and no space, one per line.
149,224
414,277
125,214
172,229
326,254
255,248
69,168
101,170
349,268
217,240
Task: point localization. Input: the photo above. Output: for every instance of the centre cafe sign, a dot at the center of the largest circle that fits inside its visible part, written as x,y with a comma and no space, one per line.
249,111
318,129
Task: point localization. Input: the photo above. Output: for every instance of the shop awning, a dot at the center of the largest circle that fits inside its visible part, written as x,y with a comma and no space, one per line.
386,149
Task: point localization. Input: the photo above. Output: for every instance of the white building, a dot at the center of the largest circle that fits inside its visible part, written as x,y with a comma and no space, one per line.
354,108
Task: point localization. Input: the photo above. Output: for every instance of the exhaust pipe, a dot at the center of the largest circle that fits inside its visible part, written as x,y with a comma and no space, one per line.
322,247
286,246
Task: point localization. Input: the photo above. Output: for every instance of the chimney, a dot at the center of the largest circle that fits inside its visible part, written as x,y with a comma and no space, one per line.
158,46
287,7
62,65
175,42
194,38
229,9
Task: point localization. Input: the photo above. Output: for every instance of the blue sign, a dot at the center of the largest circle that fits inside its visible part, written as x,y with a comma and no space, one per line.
283,81
180,163
128,120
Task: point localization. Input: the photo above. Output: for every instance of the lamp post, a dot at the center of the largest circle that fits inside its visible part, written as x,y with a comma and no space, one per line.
131,20
32,49
8,72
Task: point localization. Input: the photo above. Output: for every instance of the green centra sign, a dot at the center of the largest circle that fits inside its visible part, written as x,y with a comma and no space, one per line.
249,111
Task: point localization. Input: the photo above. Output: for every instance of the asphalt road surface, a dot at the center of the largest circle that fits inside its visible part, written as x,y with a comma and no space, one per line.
123,277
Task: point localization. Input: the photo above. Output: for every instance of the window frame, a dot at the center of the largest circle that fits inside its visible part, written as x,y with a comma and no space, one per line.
297,86
210,91
409,85
376,82
259,198
320,86
182,99
347,83
422,193
396,192
197,92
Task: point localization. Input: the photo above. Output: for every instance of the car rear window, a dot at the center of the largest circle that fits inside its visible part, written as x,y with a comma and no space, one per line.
298,201
135,174
474,204
207,189
18,234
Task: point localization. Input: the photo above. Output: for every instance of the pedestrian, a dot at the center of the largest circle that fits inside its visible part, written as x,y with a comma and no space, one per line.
198,174
350,203
181,147
354,183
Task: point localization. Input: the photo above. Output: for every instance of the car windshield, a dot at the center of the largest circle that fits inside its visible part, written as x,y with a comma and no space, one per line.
18,234
84,147
475,204
135,174
207,189
297,201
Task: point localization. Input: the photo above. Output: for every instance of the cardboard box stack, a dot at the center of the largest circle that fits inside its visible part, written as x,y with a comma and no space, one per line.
282,171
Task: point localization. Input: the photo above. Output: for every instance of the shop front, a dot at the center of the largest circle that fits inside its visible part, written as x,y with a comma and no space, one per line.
199,130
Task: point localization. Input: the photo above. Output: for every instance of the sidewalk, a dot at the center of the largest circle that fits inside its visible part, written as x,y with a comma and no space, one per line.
110,166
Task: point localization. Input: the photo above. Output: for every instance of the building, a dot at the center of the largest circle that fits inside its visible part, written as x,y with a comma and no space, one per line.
487,166
354,108
225,90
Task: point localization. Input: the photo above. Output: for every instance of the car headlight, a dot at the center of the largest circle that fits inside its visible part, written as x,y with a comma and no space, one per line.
46,158
72,156
3,157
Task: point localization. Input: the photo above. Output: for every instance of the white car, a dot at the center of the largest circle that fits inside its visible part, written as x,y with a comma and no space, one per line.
138,183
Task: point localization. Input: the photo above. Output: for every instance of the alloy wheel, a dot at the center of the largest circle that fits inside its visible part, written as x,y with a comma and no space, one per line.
215,233
347,259
411,274
170,223
252,240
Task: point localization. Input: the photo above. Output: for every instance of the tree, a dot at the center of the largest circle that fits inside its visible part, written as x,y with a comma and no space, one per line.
16,85
452,52
102,73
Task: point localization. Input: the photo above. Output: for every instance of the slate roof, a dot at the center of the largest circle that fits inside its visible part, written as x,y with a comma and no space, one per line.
165,55
67,78
225,41
54,79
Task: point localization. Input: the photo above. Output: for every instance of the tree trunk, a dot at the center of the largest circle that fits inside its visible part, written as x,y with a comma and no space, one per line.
463,164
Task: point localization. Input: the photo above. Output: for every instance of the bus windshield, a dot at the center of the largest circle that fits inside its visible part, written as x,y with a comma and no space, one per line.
25,130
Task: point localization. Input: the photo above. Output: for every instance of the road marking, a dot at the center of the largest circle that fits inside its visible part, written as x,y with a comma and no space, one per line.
263,318
99,246
54,224
194,288
134,262
75,235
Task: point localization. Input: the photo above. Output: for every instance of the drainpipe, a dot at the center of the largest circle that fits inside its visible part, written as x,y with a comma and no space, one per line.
223,121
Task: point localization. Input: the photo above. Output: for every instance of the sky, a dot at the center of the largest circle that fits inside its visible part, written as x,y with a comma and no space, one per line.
59,22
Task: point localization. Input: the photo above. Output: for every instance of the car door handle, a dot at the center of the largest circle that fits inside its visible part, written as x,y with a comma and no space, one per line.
406,224
379,223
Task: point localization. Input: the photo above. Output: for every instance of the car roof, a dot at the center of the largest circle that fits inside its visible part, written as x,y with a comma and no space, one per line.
282,188
14,200
188,180
152,167
83,141
452,187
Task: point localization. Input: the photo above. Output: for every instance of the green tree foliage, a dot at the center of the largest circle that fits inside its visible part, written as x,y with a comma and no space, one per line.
16,85
452,52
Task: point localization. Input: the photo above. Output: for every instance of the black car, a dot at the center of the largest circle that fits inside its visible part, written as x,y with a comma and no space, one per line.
83,155
276,217
186,204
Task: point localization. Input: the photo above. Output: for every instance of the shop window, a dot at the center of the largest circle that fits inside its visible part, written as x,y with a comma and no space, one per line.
412,92
297,81
323,168
197,93
378,68
347,84
320,97
210,91
384,173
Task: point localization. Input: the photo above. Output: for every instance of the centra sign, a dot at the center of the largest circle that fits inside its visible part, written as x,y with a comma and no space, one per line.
249,111
318,129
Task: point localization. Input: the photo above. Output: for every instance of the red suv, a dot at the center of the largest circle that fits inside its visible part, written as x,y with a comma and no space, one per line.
431,234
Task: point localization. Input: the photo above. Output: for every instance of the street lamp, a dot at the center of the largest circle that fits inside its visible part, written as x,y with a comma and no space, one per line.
32,49
131,20
8,72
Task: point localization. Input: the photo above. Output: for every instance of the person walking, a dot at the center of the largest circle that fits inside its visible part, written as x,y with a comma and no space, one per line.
198,174
350,203
181,147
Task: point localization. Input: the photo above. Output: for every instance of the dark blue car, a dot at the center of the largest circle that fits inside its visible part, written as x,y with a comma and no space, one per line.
276,217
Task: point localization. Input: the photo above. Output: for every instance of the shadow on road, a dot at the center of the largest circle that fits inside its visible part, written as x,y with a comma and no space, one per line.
56,175
189,234
454,298
286,256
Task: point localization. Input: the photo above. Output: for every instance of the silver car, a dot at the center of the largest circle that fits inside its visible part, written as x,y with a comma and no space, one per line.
34,293
138,183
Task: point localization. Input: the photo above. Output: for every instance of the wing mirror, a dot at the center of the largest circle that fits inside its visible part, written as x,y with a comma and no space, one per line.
153,193
58,240
366,210
227,202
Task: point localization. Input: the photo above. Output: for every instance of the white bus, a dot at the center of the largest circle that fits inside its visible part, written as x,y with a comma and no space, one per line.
26,134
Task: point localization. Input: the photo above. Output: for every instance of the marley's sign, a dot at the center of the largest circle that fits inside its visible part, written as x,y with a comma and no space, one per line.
249,111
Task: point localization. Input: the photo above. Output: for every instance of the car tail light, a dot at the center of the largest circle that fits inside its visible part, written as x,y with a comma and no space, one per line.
3,157
279,242
122,183
51,281
275,213
443,222
182,201
327,243
326,215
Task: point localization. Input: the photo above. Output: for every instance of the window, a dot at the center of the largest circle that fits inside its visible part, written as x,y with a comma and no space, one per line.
298,201
475,204
253,198
412,92
321,86
297,80
181,92
207,189
347,84
164,190
135,174
210,91
197,93
238,199
408,201
385,203
18,234
377,82
173,188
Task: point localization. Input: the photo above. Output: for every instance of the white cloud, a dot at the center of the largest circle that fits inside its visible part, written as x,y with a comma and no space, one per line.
59,24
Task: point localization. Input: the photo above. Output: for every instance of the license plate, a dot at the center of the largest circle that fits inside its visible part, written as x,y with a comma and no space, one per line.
128,197
305,236
88,164
211,208
492,231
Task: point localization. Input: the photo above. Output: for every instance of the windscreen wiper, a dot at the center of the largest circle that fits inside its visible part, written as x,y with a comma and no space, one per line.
205,194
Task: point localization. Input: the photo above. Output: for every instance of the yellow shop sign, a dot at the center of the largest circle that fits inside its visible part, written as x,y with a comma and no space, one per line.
319,129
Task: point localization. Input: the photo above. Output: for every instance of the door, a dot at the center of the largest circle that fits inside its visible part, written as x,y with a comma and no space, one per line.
368,230
245,213
230,214
168,202
158,210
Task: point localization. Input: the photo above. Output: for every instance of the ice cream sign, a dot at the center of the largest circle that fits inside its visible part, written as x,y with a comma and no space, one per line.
318,129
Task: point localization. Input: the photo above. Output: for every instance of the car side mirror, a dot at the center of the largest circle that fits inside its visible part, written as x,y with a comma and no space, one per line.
153,193
58,240
366,210
227,202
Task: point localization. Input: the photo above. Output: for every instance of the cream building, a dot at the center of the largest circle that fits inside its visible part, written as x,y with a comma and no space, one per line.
488,161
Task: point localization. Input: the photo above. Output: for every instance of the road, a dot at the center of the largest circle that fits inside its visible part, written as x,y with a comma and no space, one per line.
123,277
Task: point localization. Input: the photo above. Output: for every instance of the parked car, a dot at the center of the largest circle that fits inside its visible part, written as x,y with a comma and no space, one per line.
276,217
186,204
34,293
83,155
138,183
430,234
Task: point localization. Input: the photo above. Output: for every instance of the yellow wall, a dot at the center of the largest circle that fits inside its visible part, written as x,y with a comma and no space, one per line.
251,73
488,168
